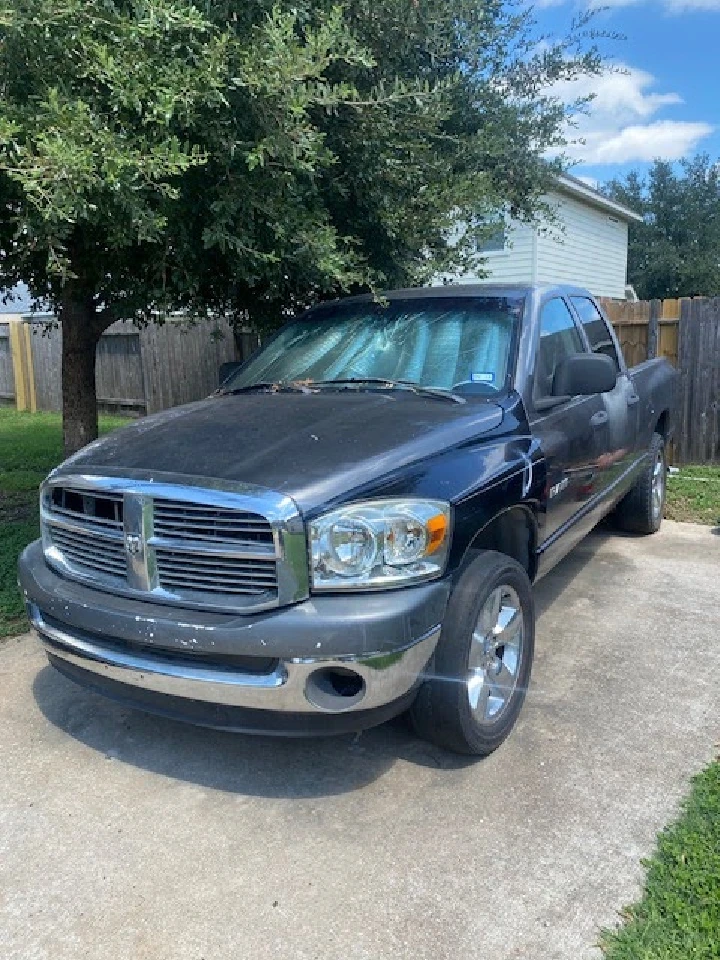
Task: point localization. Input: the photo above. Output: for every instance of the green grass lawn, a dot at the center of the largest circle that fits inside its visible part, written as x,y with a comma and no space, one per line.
678,917
694,495
30,446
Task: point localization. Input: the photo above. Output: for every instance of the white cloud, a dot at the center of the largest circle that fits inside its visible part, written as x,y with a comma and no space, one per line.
680,6
614,4
620,126
671,6
666,139
618,93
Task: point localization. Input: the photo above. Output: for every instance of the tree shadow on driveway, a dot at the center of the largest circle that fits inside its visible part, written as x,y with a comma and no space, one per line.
260,765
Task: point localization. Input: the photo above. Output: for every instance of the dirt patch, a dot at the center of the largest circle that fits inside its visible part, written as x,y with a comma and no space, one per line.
16,507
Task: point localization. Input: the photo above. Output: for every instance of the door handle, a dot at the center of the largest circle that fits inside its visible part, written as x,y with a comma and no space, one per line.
633,399
599,418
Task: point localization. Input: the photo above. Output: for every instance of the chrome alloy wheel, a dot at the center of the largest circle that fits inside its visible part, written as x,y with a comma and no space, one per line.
496,652
658,486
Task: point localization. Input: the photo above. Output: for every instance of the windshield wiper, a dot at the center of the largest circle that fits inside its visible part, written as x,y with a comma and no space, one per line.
269,386
307,386
438,393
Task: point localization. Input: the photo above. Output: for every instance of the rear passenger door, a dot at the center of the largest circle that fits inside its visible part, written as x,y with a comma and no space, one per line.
621,404
572,433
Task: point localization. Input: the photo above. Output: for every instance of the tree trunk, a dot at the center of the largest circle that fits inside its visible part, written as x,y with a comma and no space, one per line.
81,331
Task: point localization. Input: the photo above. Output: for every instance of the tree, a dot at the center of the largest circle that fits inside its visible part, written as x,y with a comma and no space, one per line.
250,158
675,251
99,102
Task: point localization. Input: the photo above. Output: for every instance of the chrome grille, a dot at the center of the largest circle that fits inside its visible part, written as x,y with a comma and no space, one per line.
89,551
180,571
176,544
197,521
86,528
98,511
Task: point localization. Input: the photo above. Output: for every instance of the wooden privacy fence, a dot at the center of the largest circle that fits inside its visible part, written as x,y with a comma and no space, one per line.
139,370
647,328
687,332
7,376
699,364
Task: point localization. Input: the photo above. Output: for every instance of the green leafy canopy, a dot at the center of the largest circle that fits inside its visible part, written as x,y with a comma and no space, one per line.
675,251
256,156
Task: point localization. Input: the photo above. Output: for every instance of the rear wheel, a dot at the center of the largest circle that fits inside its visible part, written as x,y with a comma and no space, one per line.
641,510
483,660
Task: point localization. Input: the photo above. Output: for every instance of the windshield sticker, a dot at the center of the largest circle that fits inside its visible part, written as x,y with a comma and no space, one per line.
482,377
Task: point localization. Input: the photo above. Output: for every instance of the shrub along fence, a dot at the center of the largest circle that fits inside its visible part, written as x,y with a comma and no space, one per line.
145,370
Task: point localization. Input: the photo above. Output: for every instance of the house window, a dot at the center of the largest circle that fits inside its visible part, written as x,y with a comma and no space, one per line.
497,240
493,243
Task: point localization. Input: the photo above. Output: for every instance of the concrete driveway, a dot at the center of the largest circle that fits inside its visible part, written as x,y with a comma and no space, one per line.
126,836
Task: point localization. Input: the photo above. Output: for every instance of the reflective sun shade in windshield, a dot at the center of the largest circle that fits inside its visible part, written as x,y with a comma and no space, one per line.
453,343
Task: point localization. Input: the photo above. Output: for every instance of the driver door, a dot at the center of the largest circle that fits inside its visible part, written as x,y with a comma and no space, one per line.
572,433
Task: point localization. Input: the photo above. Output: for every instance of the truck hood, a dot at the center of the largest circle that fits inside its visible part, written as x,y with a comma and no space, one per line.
313,447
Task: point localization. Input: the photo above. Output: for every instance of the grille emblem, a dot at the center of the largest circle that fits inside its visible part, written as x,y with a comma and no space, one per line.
133,544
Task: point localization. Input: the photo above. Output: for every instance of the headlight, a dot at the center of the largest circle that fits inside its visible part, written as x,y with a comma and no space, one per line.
379,543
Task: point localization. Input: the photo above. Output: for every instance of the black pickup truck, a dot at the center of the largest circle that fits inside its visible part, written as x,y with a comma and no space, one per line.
351,526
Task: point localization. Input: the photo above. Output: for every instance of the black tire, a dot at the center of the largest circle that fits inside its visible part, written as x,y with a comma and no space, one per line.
638,512
442,712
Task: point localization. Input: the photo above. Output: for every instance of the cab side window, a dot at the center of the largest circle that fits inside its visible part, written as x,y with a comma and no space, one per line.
559,338
596,329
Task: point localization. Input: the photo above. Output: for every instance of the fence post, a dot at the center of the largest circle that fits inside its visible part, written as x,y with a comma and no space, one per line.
687,334
653,329
22,360
32,390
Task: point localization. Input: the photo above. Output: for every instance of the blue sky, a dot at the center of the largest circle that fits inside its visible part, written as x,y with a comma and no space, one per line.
667,103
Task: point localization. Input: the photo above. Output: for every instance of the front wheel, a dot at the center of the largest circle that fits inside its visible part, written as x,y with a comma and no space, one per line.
481,669
641,510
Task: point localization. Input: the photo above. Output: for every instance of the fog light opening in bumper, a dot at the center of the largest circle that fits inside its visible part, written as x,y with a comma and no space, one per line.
334,688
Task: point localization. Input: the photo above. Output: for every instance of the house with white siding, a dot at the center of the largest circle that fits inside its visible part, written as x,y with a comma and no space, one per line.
585,243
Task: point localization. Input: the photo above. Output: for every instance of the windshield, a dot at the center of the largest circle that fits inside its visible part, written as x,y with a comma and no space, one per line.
450,343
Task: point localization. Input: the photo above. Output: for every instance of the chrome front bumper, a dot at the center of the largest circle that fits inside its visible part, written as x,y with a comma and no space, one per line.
292,686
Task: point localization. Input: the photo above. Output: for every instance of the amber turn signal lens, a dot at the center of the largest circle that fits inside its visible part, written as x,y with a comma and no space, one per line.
437,530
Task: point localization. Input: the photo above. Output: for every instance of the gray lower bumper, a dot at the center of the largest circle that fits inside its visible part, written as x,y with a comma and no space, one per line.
380,643
290,686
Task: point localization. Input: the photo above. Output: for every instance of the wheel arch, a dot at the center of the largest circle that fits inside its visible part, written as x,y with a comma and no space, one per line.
513,532
662,424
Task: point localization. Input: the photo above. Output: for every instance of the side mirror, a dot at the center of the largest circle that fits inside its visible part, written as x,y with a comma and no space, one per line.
584,374
227,370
